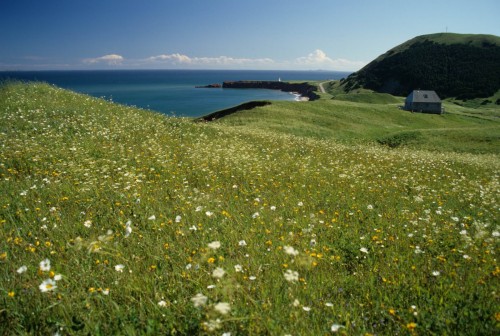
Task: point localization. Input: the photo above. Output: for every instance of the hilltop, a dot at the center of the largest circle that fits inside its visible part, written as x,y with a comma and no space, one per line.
463,66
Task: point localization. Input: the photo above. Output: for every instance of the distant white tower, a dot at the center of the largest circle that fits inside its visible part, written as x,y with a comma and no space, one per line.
279,79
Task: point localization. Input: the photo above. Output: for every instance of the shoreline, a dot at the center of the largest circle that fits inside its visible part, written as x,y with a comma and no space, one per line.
306,91
305,95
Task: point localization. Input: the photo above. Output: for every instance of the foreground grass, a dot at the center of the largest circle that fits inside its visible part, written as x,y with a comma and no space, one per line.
164,226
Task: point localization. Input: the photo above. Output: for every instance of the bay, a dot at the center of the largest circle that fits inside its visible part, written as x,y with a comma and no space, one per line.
171,92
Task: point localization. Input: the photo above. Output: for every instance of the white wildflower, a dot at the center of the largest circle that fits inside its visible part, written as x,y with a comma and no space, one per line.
47,285
291,276
218,273
45,265
336,327
128,228
214,245
22,269
290,250
364,250
199,300
212,325
119,268
222,307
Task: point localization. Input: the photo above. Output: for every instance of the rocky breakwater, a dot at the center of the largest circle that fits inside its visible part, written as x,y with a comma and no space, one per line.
209,86
305,90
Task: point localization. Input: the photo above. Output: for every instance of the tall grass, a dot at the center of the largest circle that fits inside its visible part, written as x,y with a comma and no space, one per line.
157,225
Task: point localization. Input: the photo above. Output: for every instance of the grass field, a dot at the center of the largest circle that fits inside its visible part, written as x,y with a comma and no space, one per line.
368,117
290,219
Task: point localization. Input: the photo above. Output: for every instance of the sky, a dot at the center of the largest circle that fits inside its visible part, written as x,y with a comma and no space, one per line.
224,34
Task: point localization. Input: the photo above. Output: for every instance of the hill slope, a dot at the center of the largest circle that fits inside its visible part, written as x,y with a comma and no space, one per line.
458,130
454,65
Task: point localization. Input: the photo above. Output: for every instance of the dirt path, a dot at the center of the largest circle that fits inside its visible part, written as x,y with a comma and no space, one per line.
321,88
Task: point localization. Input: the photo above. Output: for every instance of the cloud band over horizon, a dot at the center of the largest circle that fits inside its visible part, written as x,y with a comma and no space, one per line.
313,61
317,60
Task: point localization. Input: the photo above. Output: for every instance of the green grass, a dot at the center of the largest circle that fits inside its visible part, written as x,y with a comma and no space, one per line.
460,129
384,241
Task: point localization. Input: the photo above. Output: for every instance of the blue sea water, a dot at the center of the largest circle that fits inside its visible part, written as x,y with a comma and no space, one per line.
171,92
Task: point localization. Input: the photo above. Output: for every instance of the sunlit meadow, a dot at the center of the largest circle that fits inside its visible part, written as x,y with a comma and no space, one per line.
115,220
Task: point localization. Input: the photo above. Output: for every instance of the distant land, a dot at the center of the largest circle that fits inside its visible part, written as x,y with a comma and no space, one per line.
462,66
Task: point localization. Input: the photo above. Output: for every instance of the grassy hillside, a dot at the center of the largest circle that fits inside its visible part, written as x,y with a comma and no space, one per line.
116,220
454,65
460,129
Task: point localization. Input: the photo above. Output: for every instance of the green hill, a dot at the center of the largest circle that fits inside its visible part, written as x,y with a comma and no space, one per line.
345,119
121,221
454,65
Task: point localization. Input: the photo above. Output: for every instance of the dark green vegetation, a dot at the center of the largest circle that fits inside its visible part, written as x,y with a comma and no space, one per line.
290,218
242,107
453,65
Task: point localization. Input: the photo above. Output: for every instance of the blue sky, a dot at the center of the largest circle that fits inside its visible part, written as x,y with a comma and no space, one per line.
224,34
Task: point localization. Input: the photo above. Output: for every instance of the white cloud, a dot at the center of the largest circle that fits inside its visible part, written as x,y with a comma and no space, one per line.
318,59
111,59
173,58
220,61
318,56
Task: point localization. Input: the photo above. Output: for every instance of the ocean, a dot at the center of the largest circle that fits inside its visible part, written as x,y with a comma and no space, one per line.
171,92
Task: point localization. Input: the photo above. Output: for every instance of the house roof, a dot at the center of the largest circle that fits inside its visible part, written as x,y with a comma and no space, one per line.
424,96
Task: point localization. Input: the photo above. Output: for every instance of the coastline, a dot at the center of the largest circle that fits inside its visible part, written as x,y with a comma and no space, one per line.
173,92
303,91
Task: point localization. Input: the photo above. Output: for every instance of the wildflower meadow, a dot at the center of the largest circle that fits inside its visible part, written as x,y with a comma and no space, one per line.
116,220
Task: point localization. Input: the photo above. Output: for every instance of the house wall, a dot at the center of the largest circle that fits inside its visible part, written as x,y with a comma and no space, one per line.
425,107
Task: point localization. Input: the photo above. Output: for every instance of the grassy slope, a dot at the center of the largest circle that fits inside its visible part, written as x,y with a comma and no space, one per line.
460,129
388,241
